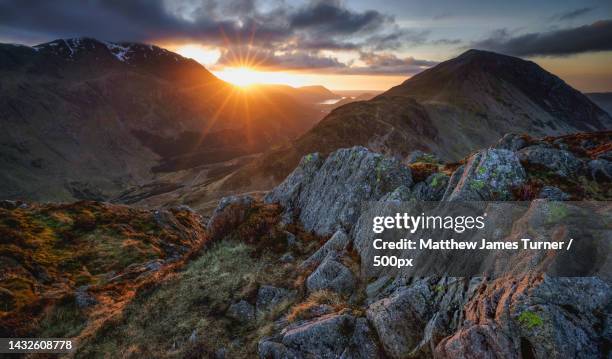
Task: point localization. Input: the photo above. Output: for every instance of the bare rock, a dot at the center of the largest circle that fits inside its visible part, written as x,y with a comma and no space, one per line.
331,275
488,175
230,212
241,311
559,162
329,196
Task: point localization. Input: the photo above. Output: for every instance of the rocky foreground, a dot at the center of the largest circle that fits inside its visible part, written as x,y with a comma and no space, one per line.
282,276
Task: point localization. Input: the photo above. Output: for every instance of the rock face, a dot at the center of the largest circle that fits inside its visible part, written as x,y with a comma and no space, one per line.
560,162
337,243
488,175
331,336
230,212
269,297
400,319
331,275
328,194
406,316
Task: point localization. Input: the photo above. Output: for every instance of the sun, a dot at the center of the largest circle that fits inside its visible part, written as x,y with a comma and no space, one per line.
241,76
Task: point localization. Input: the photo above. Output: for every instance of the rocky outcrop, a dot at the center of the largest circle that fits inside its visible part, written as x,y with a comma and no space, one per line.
327,195
560,162
332,275
400,319
268,297
332,336
230,212
487,176
337,243
518,313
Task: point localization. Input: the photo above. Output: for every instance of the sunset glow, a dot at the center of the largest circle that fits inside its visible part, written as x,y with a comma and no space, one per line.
204,55
245,76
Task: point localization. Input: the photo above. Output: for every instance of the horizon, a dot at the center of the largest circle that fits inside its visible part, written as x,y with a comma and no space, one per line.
341,45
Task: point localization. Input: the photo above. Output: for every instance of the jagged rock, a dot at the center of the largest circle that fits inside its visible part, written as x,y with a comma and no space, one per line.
326,337
374,288
432,189
242,311
230,212
269,297
488,175
511,142
400,319
337,243
553,193
560,162
363,343
329,196
268,349
600,170
289,191
539,318
331,275
400,194
83,298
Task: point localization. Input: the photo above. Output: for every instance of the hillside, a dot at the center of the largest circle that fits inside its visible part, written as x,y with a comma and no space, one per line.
292,276
602,99
451,109
87,119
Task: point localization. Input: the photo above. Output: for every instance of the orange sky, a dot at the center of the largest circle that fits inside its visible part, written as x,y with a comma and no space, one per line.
588,72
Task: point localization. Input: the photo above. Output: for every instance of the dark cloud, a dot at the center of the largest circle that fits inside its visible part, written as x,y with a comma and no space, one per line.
587,38
268,59
331,18
281,36
389,64
570,15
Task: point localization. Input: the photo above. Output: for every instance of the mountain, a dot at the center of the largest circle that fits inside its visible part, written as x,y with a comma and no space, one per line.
305,94
602,99
451,109
84,118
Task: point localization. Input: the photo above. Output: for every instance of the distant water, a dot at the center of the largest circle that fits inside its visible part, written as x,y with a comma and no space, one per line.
331,101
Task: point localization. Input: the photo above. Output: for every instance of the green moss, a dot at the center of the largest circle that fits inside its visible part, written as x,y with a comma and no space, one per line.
557,212
530,320
477,185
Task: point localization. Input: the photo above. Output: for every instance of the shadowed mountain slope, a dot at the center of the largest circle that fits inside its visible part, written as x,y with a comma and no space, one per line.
84,118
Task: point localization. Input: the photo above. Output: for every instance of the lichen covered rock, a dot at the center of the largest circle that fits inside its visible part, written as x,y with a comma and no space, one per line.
328,194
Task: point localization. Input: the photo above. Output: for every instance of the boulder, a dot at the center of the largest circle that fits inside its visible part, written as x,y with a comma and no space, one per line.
241,311
400,319
328,195
363,344
337,243
560,162
326,337
269,297
230,212
331,275
432,189
488,175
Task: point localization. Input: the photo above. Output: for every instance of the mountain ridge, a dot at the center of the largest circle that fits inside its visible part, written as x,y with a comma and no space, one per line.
466,103
73,106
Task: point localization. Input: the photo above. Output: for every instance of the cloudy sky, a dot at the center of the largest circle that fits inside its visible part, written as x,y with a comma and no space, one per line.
352,44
